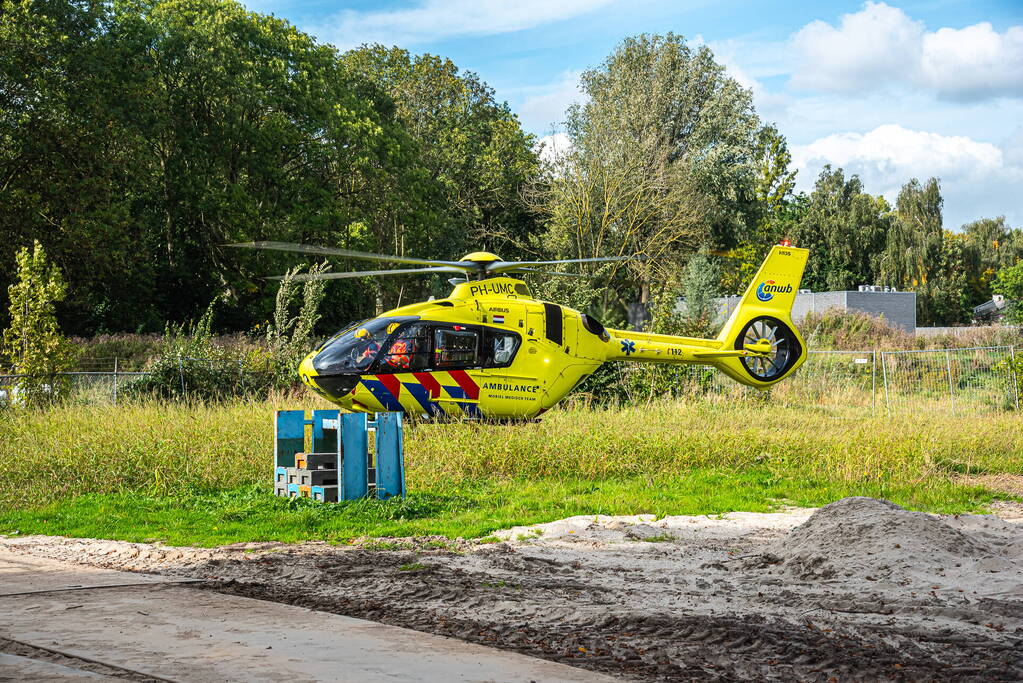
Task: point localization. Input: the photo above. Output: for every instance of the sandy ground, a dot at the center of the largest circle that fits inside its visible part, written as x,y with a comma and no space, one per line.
62,621
857,590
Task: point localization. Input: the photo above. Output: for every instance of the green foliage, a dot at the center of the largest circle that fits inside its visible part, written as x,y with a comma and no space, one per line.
469,143
191,366
699,288
289,337
856,331
990,246
919,257
774,181
853,331
1009,283
137,137
845,229
132,351
1014,365
676,109
33,341
660,162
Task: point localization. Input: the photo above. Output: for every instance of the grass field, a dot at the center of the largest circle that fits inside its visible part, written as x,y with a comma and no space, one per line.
200,474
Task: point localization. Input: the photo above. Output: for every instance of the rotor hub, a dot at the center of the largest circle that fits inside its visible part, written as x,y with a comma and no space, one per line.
480,257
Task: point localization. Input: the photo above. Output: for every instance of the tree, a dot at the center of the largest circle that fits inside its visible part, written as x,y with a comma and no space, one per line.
990,245
699,287
33,342
920,256
660,164
470,144
473,159
1009,283
680,108
845,230
774,180
63,167
599,203
777,210
137,137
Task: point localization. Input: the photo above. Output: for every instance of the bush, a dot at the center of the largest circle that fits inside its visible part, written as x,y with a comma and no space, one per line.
841,330
33,343
194,365
852,331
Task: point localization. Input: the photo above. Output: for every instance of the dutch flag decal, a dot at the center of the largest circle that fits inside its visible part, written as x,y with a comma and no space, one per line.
498,319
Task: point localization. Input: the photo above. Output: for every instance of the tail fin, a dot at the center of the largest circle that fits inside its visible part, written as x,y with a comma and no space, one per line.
764,314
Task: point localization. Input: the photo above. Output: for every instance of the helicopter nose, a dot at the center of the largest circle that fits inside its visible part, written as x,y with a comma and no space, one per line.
318,377
306,370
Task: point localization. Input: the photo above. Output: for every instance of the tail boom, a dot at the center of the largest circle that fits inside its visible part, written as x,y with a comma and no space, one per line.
758,344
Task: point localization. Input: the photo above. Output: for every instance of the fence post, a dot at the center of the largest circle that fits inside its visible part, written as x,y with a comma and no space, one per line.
884,377
951,393
115,380
1015,377
181,374
873,384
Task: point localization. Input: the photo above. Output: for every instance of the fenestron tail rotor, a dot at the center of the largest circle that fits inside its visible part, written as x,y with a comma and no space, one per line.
785,348
478,264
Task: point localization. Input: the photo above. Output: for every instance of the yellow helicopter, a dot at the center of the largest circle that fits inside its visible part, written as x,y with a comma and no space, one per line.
490,350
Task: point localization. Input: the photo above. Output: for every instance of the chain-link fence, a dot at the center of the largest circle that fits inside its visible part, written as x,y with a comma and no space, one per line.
956,381
108,380
853,383
848,383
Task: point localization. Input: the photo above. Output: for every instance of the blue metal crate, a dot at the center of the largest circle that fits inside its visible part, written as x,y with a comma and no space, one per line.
346,436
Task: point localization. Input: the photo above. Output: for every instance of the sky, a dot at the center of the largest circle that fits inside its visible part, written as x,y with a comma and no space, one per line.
889,91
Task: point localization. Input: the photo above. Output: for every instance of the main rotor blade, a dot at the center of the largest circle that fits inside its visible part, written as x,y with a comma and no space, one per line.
548,272
365,255
504,266
306,277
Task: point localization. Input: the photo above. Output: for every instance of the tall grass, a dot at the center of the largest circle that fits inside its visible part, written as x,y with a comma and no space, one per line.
171,448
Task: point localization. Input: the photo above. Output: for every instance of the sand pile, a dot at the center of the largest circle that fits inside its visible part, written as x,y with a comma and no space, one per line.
878,540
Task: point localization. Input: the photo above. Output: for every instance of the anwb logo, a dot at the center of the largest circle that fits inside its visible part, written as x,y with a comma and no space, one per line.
767,290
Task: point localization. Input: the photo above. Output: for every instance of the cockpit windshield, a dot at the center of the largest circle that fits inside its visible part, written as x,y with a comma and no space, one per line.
355,349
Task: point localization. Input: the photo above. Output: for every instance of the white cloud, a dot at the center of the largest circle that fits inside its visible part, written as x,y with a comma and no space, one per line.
881,46
869,45
433,20
553,146
974,62
544,109
976,177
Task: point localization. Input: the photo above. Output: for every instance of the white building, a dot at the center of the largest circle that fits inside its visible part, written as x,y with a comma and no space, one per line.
898,309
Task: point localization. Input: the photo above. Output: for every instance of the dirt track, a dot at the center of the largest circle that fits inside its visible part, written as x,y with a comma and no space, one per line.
862,590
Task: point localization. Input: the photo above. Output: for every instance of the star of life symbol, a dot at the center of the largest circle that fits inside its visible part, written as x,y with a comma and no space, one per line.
628,346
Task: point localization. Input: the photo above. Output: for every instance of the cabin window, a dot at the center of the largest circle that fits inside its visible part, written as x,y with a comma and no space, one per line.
421,347
455,347
499,348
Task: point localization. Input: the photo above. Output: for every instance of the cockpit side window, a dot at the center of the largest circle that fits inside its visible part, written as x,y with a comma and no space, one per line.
356,349
409,350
